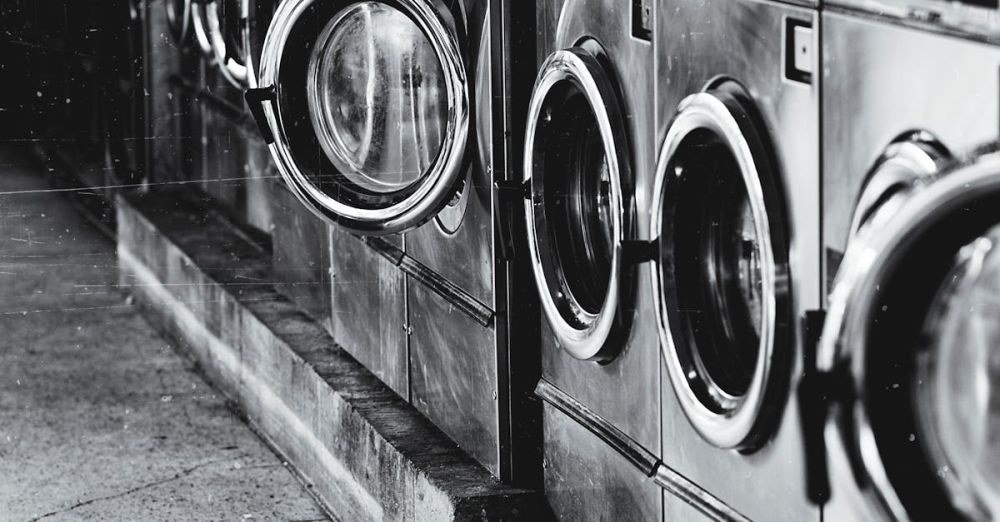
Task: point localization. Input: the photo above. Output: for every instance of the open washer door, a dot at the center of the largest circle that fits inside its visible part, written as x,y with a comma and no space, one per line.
178,18
228,25
581,211
720,279
366,109
912,346
236,30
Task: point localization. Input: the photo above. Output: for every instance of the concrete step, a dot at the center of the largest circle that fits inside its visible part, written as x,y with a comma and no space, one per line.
100,419
368,453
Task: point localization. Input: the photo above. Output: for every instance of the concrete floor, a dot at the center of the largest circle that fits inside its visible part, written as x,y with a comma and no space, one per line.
99,418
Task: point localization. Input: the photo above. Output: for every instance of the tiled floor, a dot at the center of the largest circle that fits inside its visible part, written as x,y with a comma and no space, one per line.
99,418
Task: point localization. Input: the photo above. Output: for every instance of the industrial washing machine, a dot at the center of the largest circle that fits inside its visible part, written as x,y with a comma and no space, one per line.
907,370
224,154
121,72
734,221
380,119
235,30
172,61
588,154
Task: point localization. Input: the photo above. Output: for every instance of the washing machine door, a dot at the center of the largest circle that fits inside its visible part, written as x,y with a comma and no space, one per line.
227,23
178,18
912,342
199,26
910,160
236,30
581,211
720,276
366,107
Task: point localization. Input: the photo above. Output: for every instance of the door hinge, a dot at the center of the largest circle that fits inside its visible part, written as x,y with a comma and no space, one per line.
510,197
636,252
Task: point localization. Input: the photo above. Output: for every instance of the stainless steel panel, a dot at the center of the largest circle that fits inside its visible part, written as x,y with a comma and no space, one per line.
301,256
464,257
586,480
369,307
221,149
458,243
168,117
458,365
677,509
745,40
624,391
454,374
881,80
262,177
944,16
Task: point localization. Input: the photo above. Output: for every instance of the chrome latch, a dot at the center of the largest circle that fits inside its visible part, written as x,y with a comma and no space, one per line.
800,58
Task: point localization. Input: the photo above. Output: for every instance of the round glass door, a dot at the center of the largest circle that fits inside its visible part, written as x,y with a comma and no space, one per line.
178,18
368,108
227,23
720,280
199,26
913,329
581,211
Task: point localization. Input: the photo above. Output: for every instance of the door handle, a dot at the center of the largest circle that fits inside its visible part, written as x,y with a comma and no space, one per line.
255,102
510,197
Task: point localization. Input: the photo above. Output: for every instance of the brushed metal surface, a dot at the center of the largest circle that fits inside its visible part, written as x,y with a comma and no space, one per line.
222,171
369,307
870,70
453,374
676,509
745,41
585,479
623,392
262,178
460,373
301,256
946,17
168,113
641,458
221,146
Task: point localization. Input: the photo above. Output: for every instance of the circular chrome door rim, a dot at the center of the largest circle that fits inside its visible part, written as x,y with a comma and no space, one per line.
444,174
233,67
732,428
198,22
868,261
588,341
179,23
903,164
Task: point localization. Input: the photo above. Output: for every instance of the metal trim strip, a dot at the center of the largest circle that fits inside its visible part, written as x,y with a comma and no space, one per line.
433,281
